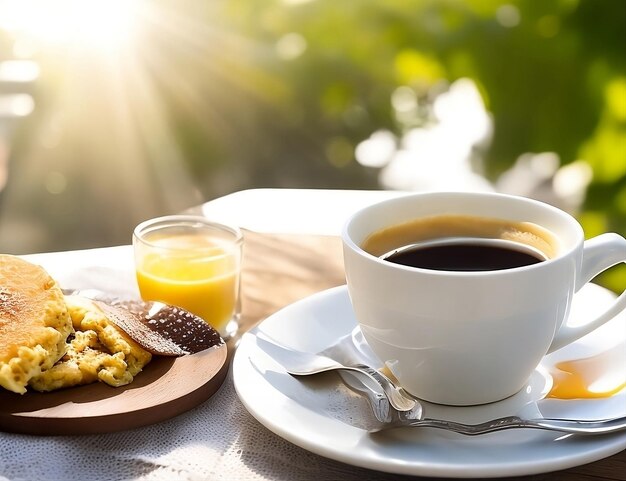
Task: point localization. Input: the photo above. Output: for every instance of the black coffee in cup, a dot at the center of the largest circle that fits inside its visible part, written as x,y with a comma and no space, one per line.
462,243
464,256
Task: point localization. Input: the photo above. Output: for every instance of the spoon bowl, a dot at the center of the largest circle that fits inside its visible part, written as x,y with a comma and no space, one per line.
298,363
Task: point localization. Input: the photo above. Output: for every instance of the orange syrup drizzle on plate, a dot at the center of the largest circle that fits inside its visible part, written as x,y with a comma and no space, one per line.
599,376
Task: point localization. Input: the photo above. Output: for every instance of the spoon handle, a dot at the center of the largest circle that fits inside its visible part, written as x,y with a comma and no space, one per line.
601,426
397,396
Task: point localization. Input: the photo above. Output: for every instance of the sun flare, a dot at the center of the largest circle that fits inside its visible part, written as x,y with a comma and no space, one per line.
125,96
100,24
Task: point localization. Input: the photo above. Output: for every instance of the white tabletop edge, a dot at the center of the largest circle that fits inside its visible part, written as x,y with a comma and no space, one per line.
292,211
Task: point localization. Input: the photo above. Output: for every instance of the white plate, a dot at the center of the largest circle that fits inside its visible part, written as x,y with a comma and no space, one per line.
315,414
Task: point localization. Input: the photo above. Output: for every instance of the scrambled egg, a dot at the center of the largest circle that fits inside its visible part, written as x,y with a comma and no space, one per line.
98,351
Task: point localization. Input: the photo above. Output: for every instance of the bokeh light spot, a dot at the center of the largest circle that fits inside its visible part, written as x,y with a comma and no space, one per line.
508,16
55,183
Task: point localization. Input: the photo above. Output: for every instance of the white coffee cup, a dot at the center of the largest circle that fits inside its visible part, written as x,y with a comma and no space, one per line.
465,338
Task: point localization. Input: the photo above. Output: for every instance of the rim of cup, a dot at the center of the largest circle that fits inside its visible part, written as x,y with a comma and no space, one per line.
574,230
185,220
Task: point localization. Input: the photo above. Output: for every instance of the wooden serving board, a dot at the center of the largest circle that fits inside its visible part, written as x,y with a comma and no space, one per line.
167,386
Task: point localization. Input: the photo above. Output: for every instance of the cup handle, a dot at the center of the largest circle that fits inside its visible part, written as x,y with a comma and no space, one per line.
599,254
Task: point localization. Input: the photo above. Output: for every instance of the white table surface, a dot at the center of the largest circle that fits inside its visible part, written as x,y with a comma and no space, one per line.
292,211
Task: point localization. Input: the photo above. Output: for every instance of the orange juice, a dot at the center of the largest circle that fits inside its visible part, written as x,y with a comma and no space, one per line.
193,271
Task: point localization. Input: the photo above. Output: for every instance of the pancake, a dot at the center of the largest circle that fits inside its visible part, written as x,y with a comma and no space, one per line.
98,351
34,322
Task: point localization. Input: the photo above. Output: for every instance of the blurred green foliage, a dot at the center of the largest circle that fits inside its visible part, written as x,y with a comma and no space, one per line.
555,80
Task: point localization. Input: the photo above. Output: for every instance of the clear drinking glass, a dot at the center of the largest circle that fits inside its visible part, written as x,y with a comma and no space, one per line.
190,262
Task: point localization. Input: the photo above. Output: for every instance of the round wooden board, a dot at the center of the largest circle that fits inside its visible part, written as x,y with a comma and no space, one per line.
167,386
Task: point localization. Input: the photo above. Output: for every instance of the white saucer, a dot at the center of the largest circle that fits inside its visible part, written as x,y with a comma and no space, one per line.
316,413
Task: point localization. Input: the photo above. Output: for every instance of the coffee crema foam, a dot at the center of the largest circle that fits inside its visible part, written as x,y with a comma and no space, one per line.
446,226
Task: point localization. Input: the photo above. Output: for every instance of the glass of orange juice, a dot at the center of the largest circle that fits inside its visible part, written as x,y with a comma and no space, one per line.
190,262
